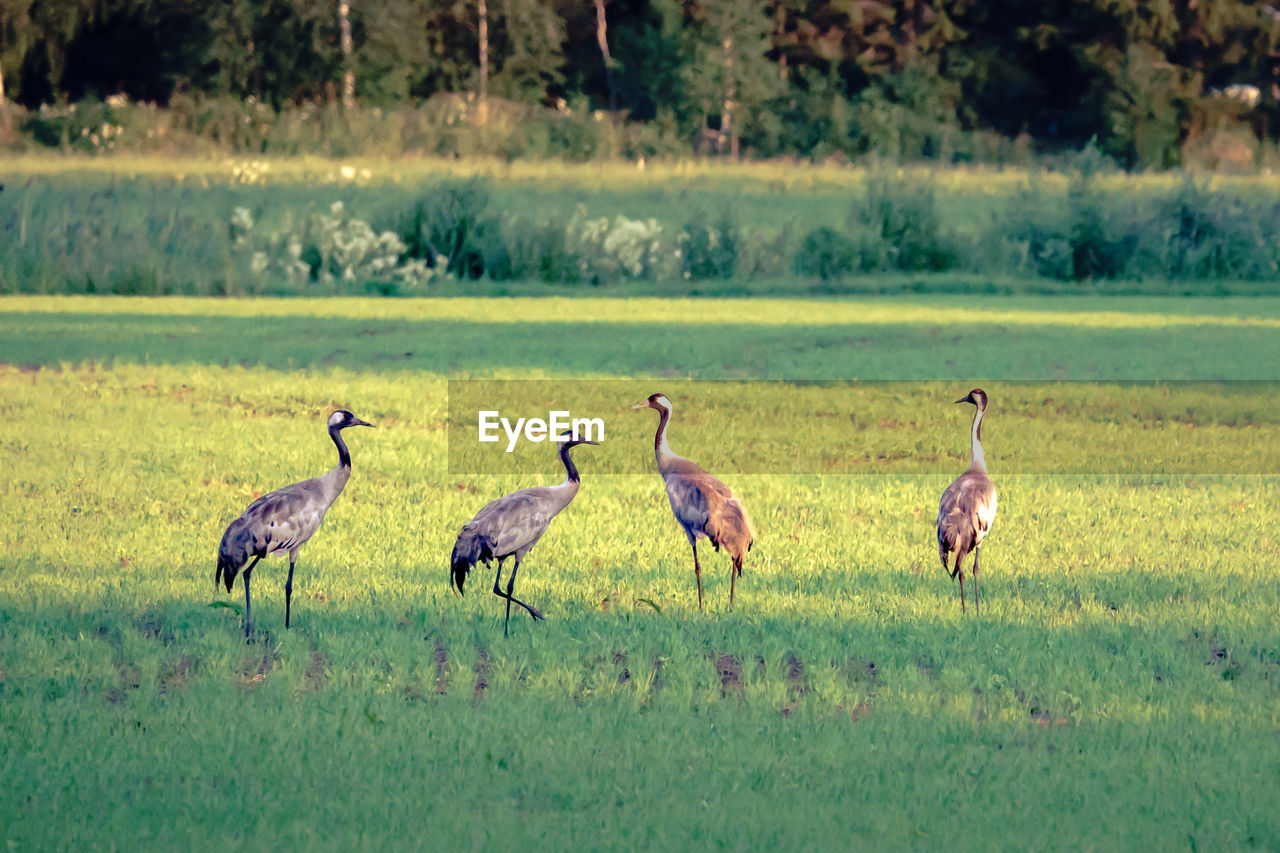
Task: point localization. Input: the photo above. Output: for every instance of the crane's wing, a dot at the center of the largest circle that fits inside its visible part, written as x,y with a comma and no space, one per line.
515,521
284,519
697,497
687,502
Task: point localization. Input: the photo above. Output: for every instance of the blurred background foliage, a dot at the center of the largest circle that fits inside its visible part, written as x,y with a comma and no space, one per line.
1155,85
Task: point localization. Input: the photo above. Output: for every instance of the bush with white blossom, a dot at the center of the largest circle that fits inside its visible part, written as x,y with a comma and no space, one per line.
329,247
610,249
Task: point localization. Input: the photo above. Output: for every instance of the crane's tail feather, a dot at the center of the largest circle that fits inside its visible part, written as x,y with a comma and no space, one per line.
729,527
472,547
956,538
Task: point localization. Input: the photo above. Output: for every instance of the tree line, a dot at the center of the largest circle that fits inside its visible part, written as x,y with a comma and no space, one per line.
1145,79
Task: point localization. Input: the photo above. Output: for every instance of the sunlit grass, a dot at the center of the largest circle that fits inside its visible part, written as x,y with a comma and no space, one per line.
1078,312
1121,689
758,177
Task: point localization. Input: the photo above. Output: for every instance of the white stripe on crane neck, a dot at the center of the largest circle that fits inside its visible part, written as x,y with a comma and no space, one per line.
661,449
979,461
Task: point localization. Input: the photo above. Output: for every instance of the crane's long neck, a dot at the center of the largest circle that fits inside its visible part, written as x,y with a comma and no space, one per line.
661,449
344,455
570,470
569,488
336,479
979,461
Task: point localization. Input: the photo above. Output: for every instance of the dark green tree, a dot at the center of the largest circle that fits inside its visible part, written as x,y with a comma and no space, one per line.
729,73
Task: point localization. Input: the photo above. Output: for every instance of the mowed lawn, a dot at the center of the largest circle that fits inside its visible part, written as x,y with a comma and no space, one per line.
1121,689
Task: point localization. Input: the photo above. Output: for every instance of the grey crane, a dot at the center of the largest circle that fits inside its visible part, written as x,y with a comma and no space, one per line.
704,506
284,520
511,526
968,508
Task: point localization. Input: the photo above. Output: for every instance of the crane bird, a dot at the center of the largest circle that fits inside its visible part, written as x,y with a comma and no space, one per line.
704,506
511,526
968,508
284,520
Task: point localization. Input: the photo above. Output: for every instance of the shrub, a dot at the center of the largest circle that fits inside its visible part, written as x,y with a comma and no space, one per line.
1202,234
1092,236
452,226
763,252
535,248
709,250
329,249
827,254
612,249
1034,237
896,226
1102,236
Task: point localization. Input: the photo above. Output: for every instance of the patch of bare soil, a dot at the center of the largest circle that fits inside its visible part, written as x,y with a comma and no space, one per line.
317,673
441,658
729,668
155,629
1040,712
482,674
253,673
620,661
173,676
795,675
130,679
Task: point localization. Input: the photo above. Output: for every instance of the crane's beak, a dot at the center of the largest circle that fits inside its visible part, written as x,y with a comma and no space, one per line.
589,442
968,398
643,404
358,422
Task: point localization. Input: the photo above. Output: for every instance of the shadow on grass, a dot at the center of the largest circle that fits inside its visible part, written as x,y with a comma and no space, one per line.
710,350
1109,631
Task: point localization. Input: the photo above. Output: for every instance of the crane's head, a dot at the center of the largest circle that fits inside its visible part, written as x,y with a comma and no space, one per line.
978,397
570,439
655,401
342,419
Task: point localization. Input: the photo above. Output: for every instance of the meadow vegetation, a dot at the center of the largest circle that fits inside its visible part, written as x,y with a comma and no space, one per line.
315,227
1121,690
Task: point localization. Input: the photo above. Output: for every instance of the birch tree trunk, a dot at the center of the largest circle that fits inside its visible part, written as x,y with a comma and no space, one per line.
602,38
348,73
484,62
727,130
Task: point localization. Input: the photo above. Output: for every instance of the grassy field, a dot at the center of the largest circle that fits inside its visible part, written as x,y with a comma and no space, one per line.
1120,691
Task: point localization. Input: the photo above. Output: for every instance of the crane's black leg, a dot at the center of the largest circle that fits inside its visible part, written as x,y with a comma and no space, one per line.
977,609
506,620
288,590
497,590
511,583
697,569
733,576
962,592
248,618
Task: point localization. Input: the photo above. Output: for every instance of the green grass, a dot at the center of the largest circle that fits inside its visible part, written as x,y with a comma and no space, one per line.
1121,690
